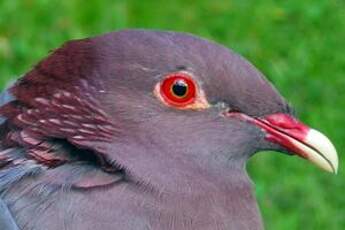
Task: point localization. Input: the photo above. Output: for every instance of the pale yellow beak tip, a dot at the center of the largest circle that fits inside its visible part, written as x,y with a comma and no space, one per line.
321,151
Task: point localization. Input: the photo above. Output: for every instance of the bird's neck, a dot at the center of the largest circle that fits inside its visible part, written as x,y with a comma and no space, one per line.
208,202
204,203
198,193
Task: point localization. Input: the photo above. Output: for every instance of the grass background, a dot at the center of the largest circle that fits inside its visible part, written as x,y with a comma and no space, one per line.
298,44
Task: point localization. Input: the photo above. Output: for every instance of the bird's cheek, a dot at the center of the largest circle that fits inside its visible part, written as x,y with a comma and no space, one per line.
296,137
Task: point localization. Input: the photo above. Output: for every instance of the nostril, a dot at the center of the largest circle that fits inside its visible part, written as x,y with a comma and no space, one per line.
234,110
226,110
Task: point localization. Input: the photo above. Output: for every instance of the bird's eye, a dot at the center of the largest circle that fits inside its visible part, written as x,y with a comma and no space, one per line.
181,91
178,90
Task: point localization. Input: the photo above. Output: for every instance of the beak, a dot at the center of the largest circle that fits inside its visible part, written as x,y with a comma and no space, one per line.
298,138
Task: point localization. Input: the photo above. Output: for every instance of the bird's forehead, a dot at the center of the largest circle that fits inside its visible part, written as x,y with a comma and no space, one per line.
142,58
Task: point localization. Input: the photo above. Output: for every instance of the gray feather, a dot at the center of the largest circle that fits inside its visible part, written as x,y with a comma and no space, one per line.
6,219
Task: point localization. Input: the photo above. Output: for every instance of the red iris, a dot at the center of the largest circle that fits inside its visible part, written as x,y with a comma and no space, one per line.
178,90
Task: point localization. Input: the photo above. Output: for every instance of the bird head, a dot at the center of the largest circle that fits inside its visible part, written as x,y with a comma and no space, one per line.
163,106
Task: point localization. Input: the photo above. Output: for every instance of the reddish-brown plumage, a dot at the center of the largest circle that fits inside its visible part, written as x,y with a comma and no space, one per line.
63,116
54,100
72,62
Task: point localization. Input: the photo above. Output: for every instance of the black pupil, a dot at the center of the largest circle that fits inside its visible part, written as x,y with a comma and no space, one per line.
180,88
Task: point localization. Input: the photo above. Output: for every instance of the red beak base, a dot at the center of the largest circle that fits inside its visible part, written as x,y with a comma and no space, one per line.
296,137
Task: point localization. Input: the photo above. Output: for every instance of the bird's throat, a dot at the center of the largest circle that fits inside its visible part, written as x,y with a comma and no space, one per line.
207,202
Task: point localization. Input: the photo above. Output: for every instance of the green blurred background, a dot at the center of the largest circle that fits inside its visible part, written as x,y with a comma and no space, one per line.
298,44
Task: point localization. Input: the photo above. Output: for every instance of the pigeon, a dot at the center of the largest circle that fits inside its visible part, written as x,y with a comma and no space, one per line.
142,129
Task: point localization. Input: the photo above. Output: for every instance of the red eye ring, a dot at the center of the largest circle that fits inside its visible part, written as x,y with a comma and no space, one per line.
178,90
